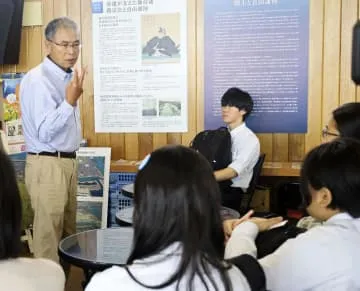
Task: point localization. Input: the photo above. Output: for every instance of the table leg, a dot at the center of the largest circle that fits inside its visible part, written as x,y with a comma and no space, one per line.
88,273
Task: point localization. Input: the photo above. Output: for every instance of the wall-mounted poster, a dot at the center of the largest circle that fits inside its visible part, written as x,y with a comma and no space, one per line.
260,46
93,187
11,112
140,65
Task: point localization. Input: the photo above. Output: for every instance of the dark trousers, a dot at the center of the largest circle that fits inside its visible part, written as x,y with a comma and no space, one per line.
231,197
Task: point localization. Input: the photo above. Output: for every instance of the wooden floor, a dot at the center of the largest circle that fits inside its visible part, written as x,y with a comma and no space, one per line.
75,279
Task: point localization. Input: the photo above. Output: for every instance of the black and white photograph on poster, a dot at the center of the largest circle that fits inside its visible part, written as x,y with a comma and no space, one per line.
169,108
14,131
92,187
149,107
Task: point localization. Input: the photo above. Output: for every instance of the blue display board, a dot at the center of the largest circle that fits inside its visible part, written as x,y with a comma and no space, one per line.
260,46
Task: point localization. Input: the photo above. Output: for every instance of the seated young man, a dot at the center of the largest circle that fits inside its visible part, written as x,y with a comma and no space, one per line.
325,257
236,105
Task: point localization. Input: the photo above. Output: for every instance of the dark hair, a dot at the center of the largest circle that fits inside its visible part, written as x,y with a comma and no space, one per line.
347,118
336,166
178,200
10,210
238,98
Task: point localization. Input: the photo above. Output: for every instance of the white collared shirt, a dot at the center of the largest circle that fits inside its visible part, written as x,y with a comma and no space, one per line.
325,258
49,122
156,270
245,149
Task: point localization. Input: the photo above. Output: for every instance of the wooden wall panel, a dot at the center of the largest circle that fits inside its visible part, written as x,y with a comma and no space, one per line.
296,147
117,142
131,146
349,15
192,102
24,49
74,10
60,8
330,84
280,147
145,144
159,139
266,146
35,52
331,76
316,44
48,15
87,99
48,10
200,65
174,138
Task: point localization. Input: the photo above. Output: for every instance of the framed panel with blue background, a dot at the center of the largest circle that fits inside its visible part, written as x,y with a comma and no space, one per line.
260,46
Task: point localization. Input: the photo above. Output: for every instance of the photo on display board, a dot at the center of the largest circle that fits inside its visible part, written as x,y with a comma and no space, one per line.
169,108
92,187
11,112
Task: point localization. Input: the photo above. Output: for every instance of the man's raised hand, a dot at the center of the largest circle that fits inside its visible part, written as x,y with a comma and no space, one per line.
75,87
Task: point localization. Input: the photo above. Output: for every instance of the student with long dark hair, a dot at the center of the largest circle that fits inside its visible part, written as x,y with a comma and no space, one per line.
325,257
16,273
178,235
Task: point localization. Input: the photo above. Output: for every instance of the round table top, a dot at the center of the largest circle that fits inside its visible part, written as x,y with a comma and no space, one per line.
97,249
128,190
124,216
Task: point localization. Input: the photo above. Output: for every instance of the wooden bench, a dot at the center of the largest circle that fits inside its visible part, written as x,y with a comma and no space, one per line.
281,169
275,169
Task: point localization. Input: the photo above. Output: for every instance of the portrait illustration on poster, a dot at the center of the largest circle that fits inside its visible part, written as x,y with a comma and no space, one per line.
160,38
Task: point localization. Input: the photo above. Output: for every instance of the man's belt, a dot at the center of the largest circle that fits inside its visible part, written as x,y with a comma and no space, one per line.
68,155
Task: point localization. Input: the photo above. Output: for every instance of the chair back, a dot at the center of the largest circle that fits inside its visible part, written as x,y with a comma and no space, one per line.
248,195
289,201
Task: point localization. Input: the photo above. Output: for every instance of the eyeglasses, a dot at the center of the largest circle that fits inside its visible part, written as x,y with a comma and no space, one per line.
67,45
325,132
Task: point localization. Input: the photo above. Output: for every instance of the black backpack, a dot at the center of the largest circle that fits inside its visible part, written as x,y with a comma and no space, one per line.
215,146
269,241
252,271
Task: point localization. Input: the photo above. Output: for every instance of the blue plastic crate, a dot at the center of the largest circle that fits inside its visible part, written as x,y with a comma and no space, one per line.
117,200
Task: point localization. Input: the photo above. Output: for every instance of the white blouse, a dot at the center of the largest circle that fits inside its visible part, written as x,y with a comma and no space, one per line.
31,275
324,258
156,270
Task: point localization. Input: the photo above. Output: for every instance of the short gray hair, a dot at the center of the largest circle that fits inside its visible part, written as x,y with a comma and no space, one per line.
61,22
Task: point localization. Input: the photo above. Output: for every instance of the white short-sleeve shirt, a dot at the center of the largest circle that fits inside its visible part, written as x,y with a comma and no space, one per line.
245,149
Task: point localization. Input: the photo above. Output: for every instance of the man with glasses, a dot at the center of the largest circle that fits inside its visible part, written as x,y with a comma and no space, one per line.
49,95
344,122
330,131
